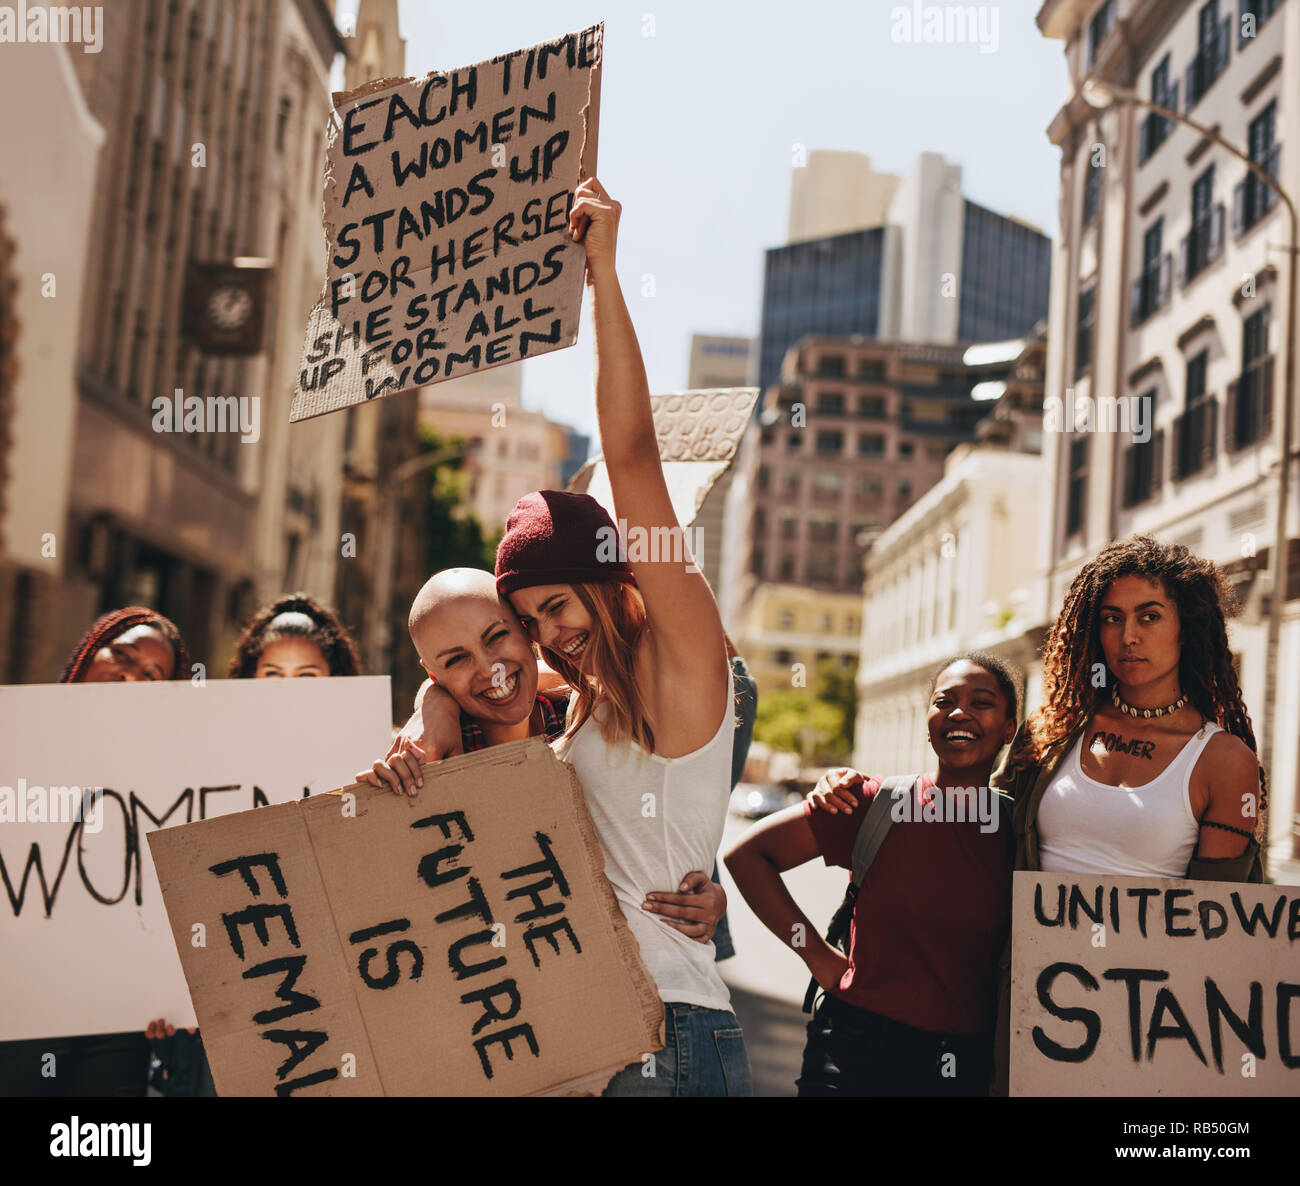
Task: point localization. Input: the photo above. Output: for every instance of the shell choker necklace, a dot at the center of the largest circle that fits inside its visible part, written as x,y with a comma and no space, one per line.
1145,712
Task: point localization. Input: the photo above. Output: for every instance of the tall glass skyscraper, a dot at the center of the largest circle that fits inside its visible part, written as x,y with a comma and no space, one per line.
826,286
943,269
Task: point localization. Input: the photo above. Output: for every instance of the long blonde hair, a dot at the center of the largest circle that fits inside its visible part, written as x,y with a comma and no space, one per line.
618,624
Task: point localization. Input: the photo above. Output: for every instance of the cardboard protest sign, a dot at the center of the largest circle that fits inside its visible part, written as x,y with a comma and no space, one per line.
699,434
86,770
447,201
1137,986
463,942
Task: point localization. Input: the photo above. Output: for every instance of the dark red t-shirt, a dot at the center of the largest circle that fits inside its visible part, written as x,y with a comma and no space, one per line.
930,920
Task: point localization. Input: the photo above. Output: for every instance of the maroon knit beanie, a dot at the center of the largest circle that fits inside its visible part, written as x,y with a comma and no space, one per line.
556,537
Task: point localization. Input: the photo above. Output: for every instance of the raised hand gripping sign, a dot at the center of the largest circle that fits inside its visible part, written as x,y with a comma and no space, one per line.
464,942
446,214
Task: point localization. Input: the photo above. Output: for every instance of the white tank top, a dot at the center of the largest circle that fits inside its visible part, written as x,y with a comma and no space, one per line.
1085,826
657,819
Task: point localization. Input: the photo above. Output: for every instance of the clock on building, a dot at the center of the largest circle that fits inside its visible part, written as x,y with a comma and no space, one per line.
226,306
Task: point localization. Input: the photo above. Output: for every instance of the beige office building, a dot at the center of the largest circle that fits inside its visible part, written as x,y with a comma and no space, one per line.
832,193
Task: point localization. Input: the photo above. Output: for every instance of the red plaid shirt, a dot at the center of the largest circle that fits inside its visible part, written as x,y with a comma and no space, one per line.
554,707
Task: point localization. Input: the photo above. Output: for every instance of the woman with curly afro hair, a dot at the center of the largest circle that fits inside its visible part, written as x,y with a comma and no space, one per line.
294,636
1141,761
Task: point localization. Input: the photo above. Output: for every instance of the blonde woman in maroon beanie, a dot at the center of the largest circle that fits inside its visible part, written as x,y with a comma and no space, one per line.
641,643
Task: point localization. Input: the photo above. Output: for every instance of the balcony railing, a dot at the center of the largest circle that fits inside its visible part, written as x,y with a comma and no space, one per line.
1195,437
1204,69
1150,290
1155,129
1253,198
1202,245
1249,417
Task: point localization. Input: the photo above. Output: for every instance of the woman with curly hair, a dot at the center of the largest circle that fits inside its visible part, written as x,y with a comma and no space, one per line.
294,636
1141,761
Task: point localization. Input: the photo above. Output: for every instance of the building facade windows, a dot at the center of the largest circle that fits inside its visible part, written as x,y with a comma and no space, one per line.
1155,128
830,403
867,487
1091,191
827,485
1078,485
1195,429
823,530
871,444
1250,398
1083,331
1251,15
1253,197
1212,41
1144,461
871,407
1203,244
830,443
1151,289
1103,20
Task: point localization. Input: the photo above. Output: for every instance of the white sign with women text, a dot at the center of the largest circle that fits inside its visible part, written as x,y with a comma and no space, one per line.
87,770
1153,986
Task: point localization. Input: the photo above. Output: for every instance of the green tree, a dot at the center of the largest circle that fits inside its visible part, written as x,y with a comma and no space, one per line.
815,722
455,537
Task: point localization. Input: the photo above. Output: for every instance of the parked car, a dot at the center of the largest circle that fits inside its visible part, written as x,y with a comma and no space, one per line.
752,800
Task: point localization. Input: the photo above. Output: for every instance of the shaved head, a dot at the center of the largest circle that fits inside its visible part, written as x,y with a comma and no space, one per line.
474,648
446,587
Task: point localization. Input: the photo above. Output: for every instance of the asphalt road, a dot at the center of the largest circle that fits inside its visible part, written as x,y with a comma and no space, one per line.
767,980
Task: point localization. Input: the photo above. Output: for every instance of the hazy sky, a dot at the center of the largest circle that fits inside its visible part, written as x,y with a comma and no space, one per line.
698,125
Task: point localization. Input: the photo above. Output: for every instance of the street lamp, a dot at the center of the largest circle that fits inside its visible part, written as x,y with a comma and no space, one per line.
1102,95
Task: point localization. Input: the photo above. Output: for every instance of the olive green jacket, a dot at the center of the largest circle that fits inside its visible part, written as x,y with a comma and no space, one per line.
1025,781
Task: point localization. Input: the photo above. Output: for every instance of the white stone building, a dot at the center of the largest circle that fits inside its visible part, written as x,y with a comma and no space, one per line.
1169,287
955,572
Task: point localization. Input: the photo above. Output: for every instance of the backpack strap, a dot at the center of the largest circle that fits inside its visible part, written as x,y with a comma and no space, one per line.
872,830
876,823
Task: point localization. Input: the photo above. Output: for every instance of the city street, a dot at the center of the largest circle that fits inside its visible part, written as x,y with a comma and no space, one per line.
767,981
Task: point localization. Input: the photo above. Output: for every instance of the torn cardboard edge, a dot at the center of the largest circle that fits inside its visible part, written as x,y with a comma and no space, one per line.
699,435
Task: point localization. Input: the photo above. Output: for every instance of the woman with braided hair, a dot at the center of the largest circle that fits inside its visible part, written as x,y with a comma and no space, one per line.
128,645
1141,761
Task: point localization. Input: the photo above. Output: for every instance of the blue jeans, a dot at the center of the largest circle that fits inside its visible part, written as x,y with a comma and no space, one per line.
705,1055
